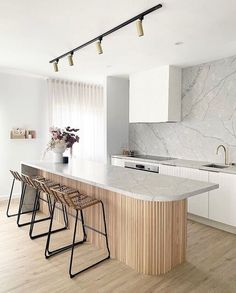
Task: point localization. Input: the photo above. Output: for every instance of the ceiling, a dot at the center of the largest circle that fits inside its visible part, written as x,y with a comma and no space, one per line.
33,32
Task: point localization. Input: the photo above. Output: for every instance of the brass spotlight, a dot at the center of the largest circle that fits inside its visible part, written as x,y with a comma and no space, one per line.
139,26
99,46
55,66
70,59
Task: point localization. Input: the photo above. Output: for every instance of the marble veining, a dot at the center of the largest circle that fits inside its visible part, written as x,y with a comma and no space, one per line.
208,117
133,183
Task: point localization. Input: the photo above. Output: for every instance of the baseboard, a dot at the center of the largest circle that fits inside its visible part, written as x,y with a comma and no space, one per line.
214,224
15,198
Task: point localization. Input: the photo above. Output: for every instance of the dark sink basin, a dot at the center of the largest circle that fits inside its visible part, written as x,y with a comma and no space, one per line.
216,166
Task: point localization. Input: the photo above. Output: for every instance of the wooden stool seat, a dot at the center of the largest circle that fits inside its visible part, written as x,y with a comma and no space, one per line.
30,180
74,199
45,185
16,175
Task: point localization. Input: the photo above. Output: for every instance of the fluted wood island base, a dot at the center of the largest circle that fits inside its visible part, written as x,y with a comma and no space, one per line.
149,236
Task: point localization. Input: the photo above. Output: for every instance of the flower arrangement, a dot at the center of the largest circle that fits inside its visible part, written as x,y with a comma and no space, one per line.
62,138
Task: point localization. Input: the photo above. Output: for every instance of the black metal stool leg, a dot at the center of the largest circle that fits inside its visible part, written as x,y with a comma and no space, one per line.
51,212
65,216
73,245
49,253
83,226
105,229
9,200
35,208
36,200
24,186
34,216
49,204
72,275
49,231
21,204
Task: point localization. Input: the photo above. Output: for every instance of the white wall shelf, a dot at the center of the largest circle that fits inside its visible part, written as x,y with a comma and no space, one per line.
28,135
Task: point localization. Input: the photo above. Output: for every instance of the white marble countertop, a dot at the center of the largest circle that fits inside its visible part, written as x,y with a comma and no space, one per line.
183,163
133,183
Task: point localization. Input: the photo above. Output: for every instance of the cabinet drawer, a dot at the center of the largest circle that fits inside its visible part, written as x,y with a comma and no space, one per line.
222,201
117,162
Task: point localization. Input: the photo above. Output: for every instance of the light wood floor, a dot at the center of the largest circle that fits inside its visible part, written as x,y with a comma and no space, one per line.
210,265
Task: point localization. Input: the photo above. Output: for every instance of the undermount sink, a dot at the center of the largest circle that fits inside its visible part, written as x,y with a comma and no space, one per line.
216,166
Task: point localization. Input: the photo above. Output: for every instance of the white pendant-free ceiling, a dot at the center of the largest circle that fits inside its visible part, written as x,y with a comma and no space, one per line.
34,32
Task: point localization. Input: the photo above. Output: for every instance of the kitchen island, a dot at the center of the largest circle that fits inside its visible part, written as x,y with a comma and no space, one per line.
146,212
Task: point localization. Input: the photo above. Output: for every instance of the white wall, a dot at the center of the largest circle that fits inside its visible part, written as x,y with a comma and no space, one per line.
22,104
117,103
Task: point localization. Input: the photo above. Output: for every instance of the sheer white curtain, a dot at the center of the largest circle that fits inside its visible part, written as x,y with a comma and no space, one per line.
79,105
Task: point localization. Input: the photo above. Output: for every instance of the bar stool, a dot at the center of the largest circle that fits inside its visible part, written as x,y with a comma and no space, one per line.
33,181
74,199
58,201
44,186
16,177
26,183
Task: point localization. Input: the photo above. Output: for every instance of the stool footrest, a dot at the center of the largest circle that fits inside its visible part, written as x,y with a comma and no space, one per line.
89,267
36,221
16,214
46,233
62,249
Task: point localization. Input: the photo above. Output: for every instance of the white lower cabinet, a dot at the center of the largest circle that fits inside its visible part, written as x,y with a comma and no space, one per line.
198,204
117,162
169,170
222,201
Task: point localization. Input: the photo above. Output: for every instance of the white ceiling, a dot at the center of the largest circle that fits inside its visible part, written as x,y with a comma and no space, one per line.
33,32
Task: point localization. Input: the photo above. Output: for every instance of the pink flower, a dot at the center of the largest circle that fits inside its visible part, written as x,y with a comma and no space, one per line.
67,136
54,135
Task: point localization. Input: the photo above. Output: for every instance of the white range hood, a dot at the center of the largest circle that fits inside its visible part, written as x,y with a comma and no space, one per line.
155,95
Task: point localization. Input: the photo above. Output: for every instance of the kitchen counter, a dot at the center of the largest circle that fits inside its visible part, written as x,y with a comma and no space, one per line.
182,163
133,183
146,213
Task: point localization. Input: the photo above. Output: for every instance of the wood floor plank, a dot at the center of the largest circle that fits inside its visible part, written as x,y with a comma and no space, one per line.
210,265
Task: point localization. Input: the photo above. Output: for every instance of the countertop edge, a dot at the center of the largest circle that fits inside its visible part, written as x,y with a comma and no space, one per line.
127,193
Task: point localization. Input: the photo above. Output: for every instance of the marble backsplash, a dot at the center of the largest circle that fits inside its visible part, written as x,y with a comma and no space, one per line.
208,117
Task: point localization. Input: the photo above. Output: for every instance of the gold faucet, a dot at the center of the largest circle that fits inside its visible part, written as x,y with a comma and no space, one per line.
224,148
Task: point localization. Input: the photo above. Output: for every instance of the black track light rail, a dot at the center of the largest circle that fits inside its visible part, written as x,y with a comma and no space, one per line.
100,37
